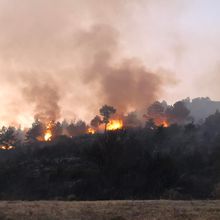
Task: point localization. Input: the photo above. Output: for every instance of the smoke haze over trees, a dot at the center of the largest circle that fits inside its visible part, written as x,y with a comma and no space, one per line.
93,50
61,61
137,161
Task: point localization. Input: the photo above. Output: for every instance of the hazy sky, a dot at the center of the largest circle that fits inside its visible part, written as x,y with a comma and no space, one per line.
80,51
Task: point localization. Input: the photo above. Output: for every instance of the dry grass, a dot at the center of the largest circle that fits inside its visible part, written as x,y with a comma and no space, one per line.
110,210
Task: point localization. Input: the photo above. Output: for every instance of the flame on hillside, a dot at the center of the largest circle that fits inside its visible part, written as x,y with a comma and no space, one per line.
161,122
114,124
48,133
91,131
5,147
165,124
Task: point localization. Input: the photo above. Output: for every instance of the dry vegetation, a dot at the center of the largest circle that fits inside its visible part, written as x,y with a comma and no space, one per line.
110,210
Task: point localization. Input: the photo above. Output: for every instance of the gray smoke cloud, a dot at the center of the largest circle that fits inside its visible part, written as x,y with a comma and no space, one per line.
71,57
66,59
121,82
45,98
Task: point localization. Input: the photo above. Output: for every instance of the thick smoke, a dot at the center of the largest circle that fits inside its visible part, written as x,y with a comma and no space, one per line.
95,52
45,98
84,47
122,82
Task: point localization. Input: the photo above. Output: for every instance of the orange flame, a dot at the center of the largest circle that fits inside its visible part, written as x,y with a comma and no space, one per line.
48,133
161,122
114,124
4,147
91,131
165,124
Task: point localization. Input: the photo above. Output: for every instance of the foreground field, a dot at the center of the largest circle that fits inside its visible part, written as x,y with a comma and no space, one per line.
110,210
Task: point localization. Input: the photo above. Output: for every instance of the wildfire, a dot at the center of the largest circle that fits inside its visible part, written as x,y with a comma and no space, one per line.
4,147
165,124
91,131
161,122
114,125
48,133
48,136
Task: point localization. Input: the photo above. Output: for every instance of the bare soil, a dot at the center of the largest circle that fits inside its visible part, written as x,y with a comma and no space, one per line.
110,210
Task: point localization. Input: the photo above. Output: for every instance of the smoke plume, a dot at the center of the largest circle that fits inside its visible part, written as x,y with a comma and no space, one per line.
65,59
45,99
122,82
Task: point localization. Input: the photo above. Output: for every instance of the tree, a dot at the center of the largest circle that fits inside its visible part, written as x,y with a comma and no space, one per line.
132,120
8,136
178,113
156,110
106,111
77,128
96,121
36,131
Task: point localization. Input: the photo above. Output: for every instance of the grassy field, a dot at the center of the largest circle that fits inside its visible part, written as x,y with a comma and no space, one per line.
110,210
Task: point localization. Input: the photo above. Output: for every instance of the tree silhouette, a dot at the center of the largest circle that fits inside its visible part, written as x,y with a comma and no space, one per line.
178,113
36,131
156,110
96,121
106,111
7,136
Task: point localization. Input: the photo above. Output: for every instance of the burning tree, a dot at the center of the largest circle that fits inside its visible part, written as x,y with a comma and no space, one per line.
36,131
41,131
164,115
156,112
178,113
110,124
96,121
106,111
7,138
